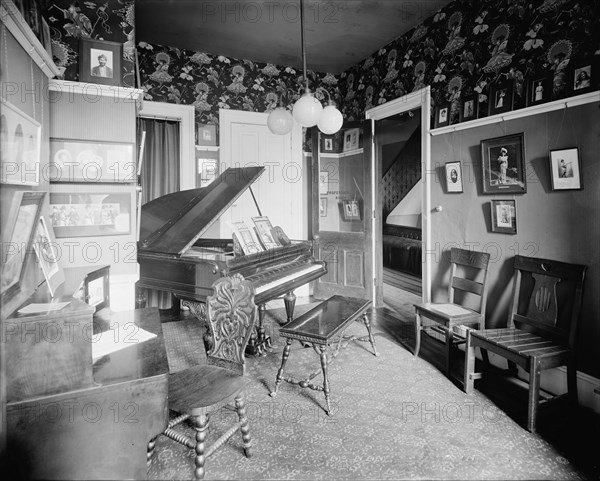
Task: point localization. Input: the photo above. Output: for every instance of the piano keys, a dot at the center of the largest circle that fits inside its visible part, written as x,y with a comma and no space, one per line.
175,257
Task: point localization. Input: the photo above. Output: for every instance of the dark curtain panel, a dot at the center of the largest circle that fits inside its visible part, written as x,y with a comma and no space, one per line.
160,165
159,175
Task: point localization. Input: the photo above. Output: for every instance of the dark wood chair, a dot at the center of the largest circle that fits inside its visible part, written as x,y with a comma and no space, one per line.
542,327
468,276
196,392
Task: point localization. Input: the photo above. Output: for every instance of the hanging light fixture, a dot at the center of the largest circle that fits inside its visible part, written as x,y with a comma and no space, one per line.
307,111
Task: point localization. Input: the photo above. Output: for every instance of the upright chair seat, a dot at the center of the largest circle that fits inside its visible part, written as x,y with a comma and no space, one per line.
196,392
542,327
468,275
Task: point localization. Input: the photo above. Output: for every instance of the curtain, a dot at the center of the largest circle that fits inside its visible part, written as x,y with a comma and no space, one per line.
159,176
160,165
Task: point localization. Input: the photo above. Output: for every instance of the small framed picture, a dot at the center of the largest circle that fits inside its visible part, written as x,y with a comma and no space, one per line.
504,216
350,210
468,108
454,183
263,228
45,248
351,138
442,115
100,61
565,169
323,182
246,238
91,214
323,206
91,161
503,164
330,143
501,97
539,90
582,78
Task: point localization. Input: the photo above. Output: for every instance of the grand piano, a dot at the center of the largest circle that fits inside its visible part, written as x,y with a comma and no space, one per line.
174,256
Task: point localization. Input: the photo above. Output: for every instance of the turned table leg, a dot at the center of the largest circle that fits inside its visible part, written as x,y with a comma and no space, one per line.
286,354
323,350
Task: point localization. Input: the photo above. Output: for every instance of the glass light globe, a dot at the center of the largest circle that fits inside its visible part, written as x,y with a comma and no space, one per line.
307,110
280,121
331,120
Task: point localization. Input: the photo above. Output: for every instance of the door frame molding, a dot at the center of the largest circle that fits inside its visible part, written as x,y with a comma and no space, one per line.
185,115
419,99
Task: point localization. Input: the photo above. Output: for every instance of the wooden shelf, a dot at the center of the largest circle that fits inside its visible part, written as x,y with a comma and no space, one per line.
526,112
213,148
95,90
337,155
18,27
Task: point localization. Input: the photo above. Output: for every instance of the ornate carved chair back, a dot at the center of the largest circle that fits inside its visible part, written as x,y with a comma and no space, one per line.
231,314
547,298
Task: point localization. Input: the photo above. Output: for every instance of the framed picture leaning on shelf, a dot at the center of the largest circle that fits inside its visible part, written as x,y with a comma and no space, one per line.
501,97
100,61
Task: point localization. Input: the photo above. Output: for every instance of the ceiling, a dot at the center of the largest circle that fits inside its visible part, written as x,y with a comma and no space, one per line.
338,34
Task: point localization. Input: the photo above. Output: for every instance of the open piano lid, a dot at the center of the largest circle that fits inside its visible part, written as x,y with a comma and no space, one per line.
174,222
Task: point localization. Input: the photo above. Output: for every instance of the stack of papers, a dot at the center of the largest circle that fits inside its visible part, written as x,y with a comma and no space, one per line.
39,308
121,337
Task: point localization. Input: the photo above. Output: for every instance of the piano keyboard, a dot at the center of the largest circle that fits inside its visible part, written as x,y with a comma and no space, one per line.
289,275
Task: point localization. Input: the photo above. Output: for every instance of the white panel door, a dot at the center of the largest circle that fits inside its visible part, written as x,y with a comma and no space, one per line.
247,141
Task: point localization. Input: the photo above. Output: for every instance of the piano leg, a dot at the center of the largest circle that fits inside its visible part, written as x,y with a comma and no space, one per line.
259,343
290,302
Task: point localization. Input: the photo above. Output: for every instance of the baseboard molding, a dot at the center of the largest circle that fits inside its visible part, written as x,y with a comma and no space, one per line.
555,381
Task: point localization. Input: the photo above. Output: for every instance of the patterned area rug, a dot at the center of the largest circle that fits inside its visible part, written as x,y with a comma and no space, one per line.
394,417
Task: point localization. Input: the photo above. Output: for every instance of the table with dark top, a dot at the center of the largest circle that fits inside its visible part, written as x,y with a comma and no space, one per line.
322,327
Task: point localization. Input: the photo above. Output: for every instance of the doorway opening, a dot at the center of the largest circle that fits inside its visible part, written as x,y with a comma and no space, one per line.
398,138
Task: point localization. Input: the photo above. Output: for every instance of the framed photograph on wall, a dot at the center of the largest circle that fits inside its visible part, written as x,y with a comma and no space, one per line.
351,139
503,164
454,182
468,108
504,216
76,214
323,182
565,169
100,61
18,234
501,97
539,90
442,116
46,250
323,207
20,142
89,161
351,210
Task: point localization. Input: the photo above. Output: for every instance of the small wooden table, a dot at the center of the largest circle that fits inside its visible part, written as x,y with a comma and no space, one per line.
321,327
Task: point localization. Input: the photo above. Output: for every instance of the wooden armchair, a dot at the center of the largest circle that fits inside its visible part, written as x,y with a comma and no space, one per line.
468,275
542,326
196,392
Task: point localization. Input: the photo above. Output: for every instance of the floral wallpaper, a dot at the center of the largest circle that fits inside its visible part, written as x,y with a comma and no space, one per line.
111,20
460,50
210,82
467,45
